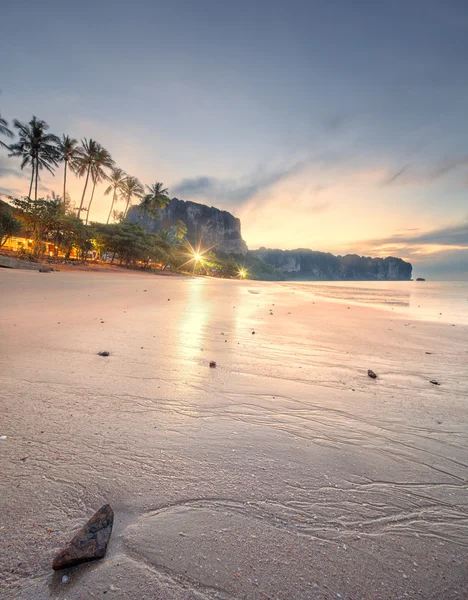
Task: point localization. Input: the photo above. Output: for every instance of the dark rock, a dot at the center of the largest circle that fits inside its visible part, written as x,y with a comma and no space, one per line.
213,364
215,227
253,332
45,270
90,543
103,353
371,373
420,279
311,265
435,382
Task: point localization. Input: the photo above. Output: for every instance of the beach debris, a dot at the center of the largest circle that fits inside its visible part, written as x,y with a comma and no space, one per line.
65,579
253,332
90,543
371,374
103,353
212,364
3,437
434,382
428,352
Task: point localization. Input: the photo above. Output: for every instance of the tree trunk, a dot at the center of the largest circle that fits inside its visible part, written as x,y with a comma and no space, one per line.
37,173
64,185
84,192
90,202
112,206
31,184
126,210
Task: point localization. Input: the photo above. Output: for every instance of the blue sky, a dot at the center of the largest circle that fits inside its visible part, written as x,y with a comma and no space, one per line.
333,125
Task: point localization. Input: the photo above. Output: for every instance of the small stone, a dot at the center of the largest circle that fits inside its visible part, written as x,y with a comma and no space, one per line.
371,374
65,579
103,353
253,332
89,543
435,382
3,437
213,364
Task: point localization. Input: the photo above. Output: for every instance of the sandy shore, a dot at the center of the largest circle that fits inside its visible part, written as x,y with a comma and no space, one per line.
285,473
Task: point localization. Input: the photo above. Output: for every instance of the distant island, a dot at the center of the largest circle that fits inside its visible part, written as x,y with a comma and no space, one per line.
221,230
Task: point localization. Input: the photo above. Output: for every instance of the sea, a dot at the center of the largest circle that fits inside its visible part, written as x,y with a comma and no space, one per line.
444,301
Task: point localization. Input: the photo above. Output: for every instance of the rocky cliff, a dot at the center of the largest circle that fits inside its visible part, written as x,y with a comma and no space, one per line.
206,225
309,265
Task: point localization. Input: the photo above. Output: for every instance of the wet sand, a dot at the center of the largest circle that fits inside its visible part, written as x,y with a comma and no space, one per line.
284,473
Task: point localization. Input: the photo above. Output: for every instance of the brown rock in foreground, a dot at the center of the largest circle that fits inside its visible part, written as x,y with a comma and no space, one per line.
89,543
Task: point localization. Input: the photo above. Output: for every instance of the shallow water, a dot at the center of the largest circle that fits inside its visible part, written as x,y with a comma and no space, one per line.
285,472
445,302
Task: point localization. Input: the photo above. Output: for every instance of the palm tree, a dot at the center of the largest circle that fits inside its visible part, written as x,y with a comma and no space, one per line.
5,131
83,162
131,188
36,148
155,200
68,153
102,160
180,230
116,179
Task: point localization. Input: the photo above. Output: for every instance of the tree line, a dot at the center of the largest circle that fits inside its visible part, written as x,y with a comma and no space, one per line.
39,150
53,219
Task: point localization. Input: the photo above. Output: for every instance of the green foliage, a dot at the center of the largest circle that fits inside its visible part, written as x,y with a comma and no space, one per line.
156,199
39,218
180,230
132,244
131,188
9,225
4,130
36,148
257,268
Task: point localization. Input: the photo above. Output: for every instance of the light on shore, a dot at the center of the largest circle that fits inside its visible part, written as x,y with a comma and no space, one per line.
242,273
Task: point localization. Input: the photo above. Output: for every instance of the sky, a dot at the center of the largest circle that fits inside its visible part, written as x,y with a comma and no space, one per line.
326,124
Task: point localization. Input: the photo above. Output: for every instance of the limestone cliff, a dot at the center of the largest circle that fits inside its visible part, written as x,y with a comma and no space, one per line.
310,265
206,225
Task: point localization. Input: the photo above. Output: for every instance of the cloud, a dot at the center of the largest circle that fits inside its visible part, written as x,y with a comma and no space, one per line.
441,253
455,235
238,192
412,174
7,170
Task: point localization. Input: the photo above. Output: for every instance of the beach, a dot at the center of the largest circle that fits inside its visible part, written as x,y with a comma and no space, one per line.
283,473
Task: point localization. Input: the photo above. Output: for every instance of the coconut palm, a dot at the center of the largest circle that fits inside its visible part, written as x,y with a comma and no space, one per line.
4,130
116,179
180,230
36,148
83,162
102,160
131,188
156,199
68,153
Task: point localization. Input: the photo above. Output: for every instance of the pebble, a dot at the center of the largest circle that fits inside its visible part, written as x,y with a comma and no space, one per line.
435,382
3,437
65,579
212,364
371,374
103,353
